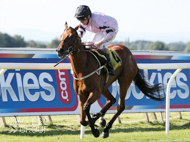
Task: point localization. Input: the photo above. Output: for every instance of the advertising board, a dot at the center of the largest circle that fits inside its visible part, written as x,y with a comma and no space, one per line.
50,92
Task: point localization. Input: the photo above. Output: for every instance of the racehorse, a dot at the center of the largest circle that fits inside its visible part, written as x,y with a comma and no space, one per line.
90,87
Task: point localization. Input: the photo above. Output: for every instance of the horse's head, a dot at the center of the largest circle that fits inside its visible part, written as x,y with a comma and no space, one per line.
69,42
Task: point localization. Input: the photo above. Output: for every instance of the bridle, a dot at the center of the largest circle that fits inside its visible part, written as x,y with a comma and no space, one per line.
70,49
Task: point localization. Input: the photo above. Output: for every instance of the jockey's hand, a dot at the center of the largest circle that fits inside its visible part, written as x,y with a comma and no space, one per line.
98,44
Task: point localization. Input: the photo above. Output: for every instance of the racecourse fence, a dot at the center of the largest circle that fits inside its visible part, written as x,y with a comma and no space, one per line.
43,61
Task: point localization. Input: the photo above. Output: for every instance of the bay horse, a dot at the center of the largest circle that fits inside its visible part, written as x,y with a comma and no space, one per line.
90,87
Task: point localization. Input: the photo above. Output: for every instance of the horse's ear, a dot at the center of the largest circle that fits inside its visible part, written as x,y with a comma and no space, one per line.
66,26
76,28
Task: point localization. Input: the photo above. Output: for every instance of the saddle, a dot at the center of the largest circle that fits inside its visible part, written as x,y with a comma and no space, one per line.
115,59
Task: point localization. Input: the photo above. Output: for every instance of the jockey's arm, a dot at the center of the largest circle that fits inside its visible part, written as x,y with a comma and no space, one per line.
81,31
109,36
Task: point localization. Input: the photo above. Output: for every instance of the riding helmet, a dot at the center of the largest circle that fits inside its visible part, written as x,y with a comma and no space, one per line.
82,11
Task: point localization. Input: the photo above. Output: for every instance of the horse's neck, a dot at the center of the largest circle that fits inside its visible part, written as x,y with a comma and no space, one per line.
79,62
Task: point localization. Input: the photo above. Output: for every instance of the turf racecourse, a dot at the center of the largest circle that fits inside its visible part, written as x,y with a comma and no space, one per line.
66,128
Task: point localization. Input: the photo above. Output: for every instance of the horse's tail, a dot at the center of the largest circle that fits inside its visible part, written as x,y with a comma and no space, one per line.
149,90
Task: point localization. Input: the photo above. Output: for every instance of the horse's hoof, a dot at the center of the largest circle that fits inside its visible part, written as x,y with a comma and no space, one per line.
102,122
85,123
105,135
96,133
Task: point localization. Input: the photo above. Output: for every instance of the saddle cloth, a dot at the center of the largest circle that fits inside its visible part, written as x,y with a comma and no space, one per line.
115,59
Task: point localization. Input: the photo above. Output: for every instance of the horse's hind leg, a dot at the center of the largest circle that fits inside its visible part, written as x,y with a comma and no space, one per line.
124,85
110,100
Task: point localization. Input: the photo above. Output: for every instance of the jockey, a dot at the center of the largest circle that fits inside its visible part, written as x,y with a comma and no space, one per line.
103,27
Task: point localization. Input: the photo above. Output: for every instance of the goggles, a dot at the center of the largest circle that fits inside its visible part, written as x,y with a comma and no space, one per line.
81,18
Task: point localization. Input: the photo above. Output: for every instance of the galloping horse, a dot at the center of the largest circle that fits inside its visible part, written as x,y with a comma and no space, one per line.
90,87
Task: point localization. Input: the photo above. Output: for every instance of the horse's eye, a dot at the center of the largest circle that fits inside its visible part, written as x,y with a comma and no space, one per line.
71,36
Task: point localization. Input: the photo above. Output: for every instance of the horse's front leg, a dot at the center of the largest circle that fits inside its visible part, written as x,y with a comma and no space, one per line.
82,113
91,99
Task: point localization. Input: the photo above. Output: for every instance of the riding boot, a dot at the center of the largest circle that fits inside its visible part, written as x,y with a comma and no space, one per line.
109,65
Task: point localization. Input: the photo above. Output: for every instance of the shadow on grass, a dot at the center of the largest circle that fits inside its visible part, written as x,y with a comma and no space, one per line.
53,130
